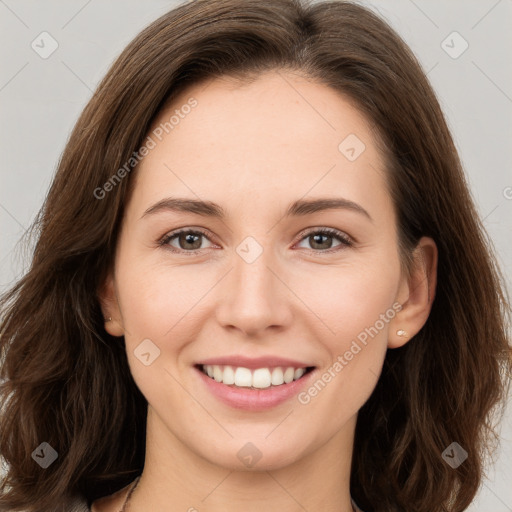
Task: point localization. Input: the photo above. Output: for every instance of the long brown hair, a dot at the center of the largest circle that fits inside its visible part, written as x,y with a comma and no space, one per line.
67,382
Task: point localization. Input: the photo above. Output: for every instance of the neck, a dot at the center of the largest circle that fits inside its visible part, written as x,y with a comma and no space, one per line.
314,480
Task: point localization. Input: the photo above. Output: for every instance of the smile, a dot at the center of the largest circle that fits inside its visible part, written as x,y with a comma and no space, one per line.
260,378
256,389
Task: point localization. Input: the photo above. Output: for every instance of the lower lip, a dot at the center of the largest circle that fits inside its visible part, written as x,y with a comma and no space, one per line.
254,399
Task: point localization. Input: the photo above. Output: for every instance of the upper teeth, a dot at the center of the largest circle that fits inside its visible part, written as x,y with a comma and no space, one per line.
260,378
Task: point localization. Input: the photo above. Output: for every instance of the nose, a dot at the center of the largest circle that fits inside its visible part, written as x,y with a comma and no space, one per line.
254,297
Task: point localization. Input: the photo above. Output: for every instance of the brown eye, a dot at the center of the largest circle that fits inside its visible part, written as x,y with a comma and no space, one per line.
186,240
322,239
189,241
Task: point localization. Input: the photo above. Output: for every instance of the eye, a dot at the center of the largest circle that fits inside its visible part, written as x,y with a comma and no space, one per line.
188,240
321,239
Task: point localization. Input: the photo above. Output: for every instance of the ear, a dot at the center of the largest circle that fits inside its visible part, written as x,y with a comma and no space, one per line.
107,296
416,294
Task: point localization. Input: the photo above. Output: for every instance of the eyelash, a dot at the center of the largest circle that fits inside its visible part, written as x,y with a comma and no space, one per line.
344,239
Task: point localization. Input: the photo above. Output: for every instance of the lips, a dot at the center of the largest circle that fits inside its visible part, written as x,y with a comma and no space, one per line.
254,384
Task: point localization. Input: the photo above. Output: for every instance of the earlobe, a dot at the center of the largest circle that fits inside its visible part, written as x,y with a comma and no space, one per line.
113,327
417,293
110,308
398,338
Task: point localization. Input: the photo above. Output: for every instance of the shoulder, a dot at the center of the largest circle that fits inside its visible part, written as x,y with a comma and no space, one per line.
79,503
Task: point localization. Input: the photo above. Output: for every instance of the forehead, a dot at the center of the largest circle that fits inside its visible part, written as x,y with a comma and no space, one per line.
279,135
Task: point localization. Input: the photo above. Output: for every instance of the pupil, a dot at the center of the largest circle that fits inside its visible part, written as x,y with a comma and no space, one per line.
316,243
189,239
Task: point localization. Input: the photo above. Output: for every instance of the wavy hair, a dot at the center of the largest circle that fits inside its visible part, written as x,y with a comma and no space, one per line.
66,381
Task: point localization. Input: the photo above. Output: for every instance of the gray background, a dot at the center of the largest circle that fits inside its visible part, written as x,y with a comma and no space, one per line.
41,98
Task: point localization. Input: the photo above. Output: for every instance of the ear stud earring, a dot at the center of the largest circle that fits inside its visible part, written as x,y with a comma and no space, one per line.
401,332
109,319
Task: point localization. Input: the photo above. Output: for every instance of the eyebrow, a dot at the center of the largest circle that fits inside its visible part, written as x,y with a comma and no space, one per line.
298,208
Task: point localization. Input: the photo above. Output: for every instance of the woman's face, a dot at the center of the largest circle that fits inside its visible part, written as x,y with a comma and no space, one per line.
259,288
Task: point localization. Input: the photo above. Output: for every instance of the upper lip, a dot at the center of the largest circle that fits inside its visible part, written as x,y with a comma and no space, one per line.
254,363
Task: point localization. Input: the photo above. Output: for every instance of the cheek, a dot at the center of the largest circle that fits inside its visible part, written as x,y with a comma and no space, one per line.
159,303
354,307
350,297
156,297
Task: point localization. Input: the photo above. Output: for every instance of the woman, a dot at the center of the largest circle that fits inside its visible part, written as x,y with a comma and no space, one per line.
259,280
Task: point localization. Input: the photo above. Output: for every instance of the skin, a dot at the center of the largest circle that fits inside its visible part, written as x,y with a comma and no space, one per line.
255,149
